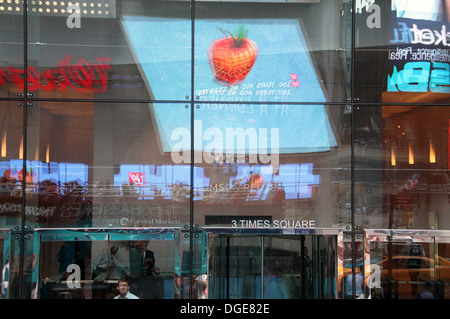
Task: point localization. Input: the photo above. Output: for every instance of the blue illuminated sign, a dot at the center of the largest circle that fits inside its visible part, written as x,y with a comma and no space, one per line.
419,60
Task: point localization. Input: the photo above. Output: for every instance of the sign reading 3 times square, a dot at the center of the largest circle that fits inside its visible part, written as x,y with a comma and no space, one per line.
266,223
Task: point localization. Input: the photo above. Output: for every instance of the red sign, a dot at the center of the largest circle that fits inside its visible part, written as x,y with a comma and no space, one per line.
81,76
136,178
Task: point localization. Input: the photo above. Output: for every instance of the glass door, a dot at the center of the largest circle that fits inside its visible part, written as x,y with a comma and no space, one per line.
248,264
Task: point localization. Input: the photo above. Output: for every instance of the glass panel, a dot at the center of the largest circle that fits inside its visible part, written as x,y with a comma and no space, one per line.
402,166
442,258
106,165
186,278
12,48
408,264
353,268
370,209
11,163
5,247
401,52
280,166
13,285
199,267
281,52
407,269
76,265
235,268
371,43
325,267
287,272
135,49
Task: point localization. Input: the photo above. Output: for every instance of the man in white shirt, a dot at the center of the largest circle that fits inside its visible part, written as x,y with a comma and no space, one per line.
106,262
359,285
124,291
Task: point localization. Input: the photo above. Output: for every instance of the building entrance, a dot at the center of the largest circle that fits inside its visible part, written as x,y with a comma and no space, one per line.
273,264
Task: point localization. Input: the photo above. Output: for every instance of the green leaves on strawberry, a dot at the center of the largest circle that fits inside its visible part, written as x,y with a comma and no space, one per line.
238,34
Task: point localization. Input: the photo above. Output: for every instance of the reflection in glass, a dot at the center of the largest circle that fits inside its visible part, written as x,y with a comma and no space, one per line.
11,163
410,270
5,262
273,163
11,46
108,49
402,167
104,165
19,283
278,53
403,264
272,267
404,65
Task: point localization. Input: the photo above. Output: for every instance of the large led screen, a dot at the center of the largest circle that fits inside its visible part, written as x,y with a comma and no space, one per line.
162,52
251,60
254,60
297,180
264,60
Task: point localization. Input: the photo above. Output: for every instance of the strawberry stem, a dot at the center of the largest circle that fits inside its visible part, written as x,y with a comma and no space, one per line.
239,33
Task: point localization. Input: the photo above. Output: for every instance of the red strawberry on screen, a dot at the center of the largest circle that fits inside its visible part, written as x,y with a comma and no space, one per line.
231,58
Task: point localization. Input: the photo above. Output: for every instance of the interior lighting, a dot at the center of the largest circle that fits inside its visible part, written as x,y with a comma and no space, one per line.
393,160
432,153
21,149
47,153
3,151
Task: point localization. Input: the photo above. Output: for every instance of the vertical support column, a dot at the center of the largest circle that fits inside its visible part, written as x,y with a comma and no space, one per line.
262,267
227,269
302,266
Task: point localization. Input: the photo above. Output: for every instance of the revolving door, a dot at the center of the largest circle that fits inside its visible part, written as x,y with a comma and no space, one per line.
273,264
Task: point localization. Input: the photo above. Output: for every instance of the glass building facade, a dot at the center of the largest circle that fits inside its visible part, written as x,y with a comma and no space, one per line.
294,149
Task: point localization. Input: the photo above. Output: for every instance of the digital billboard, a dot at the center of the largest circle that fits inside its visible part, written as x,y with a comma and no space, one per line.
272,64
297,180
263,60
